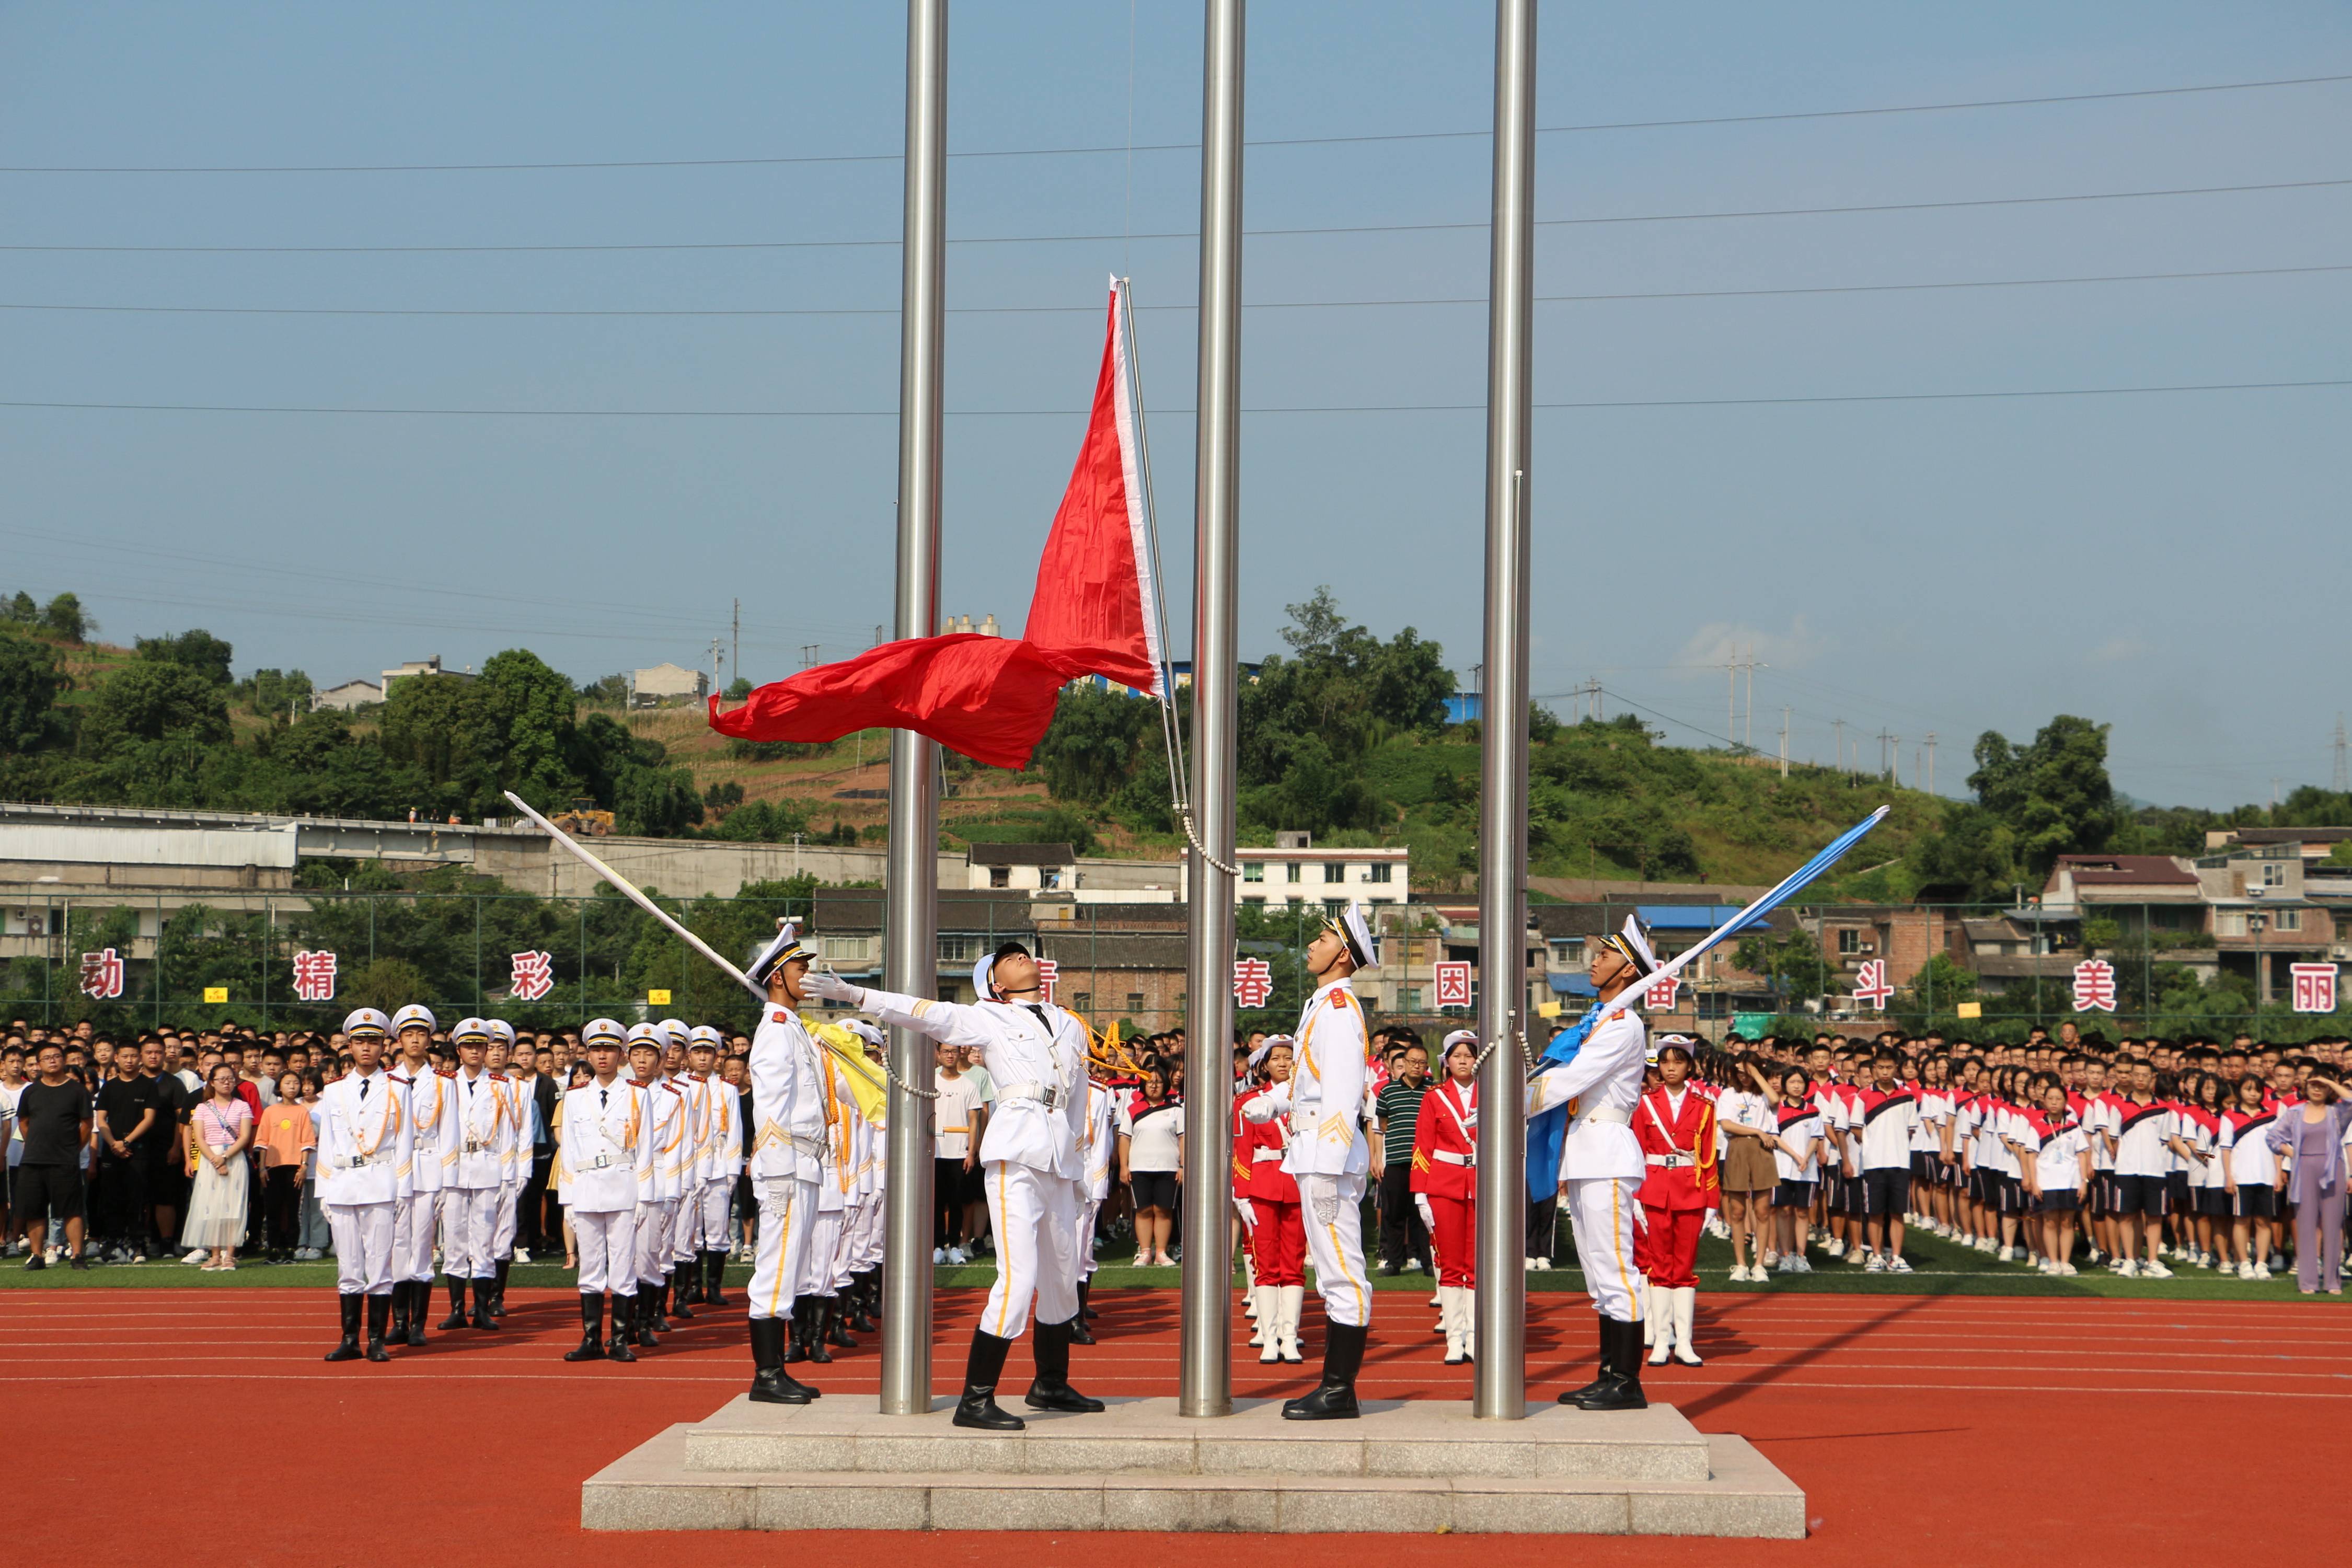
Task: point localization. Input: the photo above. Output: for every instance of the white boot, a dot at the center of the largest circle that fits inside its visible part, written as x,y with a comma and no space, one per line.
1293,1302
1685,1307
1268,1335
1449,1312
1466,1299
1261,1332
1649,1313
1655,1310
1249,1274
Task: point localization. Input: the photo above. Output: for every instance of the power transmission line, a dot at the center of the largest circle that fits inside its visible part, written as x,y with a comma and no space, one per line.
1183,235
1130,148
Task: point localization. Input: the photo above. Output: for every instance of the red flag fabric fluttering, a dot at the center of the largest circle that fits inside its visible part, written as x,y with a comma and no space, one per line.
993,699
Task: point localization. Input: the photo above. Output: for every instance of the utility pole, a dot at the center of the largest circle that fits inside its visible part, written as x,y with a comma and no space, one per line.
1784,742
1840,744
715,646
1931,761
1731,701
1888,750
808,656
735,652
2343,777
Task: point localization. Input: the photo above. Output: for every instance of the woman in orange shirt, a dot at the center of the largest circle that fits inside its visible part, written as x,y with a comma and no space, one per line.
287,1133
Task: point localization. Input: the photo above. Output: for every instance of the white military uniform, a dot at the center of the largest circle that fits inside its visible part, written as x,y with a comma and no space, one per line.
604,1155
477,1142
521,1106
787,1139
722,1156
1096,1145
1036,1056
659,1187
1601,1163
365,1150
694,1166
1327,1150
418,1222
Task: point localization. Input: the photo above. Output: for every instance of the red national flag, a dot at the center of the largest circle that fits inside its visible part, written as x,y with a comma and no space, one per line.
992,698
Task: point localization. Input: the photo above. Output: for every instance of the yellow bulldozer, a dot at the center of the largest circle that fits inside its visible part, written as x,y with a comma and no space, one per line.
585,820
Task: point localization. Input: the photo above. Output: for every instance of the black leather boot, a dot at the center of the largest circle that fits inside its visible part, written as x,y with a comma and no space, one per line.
498,1289
1079,1333
399,1308
591,1328
485,1288
1335,1398
1052,1389
644,1317
771,1383
678,1289
796,1331
625,1317
456,1318
1605,1373
420,1305
977,1407
837,1331
348,1348
652,1302
1623,1388
688,1283
811,1312
1086,1308
379,1313
859,1302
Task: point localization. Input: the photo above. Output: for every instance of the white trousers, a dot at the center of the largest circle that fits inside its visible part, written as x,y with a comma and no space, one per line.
363,1234
469,1224
1085,1237
503,1236
1600,1211
653,1241
718,1197
1036,1217
416,1223
785,1208
686,1221
823,1245
1331,1208
608,1250
869,1245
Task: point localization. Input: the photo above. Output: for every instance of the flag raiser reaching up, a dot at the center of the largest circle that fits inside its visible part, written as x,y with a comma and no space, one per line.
992,699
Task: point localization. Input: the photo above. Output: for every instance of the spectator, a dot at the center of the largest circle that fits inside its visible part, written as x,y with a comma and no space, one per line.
1404,1238
286,1141
130,1120
1152,1163
2254,1171
220,1131
53,1115
959,1119
2312,1136
1743,1116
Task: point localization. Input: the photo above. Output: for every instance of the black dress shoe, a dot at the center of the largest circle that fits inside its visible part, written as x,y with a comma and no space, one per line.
349,1348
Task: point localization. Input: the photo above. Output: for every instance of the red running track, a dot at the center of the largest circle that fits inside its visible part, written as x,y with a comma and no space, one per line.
1946,1430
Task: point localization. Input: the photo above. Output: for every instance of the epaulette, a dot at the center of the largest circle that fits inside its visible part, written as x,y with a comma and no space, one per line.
672,1088
497,1078
444,1072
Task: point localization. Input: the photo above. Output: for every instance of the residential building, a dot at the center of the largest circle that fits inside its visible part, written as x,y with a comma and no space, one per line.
1036,868
350,696
668,685
415,666
1295,872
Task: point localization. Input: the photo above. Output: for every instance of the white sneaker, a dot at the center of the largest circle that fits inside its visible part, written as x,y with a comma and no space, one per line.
1836,1248
939,1254
523,1255
958,1255
1804,1267
2066,1270
2127,1270
198,1255
1898,1266
2244,1270
2152,1269
1543,1263
1769,1258
2261,1271
1874,1264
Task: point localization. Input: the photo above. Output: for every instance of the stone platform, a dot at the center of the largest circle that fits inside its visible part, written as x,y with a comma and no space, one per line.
1421,1466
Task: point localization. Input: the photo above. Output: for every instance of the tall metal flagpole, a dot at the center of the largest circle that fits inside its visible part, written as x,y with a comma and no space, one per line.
1205,1384
1498,1390
911,898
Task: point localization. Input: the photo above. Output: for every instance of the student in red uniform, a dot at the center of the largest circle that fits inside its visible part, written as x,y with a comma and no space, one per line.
1445,1180
2254,1171
1675,1125
1887,1114
1278,1236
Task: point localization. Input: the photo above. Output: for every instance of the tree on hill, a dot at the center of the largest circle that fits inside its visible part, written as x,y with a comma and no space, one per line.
198,650
32,678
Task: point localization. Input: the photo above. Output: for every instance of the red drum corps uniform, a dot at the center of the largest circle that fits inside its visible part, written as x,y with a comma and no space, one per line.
1445,1178
1680,1185
1278,1237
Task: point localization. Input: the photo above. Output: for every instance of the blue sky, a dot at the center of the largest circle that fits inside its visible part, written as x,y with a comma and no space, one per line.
2172,564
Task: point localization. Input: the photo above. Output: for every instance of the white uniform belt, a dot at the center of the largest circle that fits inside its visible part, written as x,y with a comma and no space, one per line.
1608,1114
1266,1151
1671,1162
1046,1094
1447,1157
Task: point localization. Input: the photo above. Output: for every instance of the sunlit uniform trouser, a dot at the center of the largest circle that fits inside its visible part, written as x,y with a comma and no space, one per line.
469,1221
416,1221
686,1222
653,1239
1085,1237
1036,1217
786,1206
608,1251
823,1245
502,1239
363,1234
711,1212
1602,1211
1331,1209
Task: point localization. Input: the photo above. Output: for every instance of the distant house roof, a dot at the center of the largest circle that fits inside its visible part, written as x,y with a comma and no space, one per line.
1694,917
1025,855
2025,965
1573,985
2125,870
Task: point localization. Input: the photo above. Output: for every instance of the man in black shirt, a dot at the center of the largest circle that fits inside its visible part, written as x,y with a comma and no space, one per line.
130,1114
164,1152
54,1115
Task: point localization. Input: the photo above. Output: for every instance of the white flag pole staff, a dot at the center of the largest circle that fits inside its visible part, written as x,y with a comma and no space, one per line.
637,897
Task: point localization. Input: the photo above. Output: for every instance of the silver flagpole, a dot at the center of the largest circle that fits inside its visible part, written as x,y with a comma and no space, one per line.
1206,1382
1498,1391
912,895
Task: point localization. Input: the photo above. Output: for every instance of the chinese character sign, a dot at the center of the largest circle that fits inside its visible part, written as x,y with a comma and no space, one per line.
2094,987
1252,982
530,975
314,976
1658,995
1871,988
101,975
1454,986
1048,971
2315,987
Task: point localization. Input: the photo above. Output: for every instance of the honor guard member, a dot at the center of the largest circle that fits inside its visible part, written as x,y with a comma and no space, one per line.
1445,1183
1096,1145
866,1266
523,1109
686,1212
364,1147
786,1137
1676,1126
815,1300
1601,1168
658,1193
418,1225
602,1156
1328,1156
1036,1053
479,1141
722,1144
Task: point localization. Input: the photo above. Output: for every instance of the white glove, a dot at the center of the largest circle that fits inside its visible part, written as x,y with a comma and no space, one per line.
1420,1202
1259,1109
825,985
